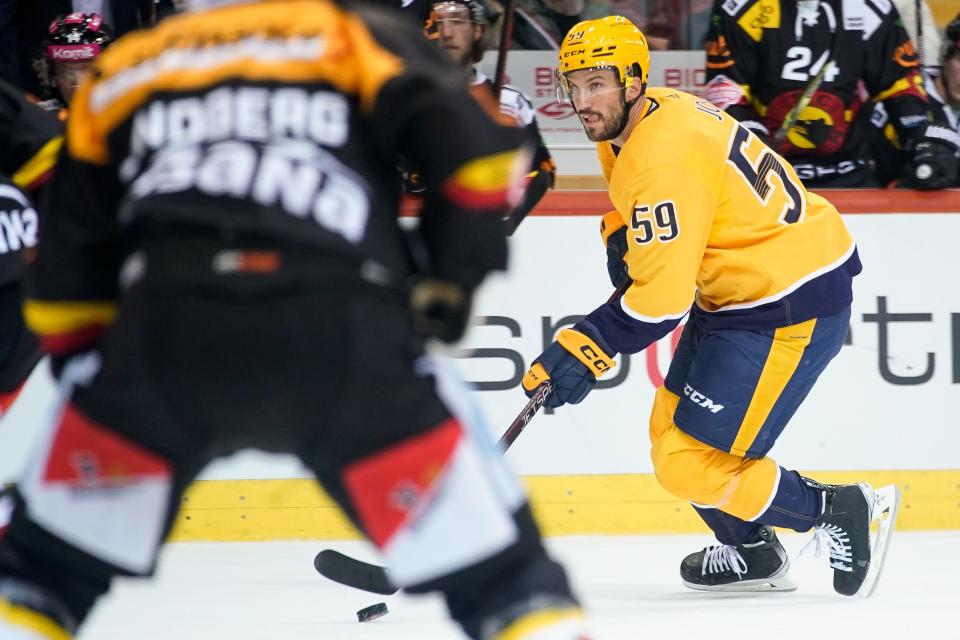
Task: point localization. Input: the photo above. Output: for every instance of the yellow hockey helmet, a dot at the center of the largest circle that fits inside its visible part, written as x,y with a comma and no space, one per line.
612,42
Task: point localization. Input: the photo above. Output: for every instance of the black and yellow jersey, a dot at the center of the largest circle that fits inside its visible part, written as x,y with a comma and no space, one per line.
30,139
716,218
274,121
763,54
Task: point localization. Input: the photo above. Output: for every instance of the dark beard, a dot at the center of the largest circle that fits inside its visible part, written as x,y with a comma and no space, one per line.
613,128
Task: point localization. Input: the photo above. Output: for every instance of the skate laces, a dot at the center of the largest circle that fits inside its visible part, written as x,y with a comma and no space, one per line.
723,558
837,542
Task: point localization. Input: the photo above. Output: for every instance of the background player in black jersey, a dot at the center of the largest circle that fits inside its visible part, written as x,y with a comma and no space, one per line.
933,165
71,44
220,267
943,87
30,138
29,141
460,28
947,82
762,55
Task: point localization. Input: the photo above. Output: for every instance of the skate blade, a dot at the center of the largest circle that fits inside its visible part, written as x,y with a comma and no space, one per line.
747,586
886,505
777,582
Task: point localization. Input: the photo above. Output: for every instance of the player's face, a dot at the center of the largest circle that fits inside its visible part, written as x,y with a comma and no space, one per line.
69,75
457,33
951,79
599,100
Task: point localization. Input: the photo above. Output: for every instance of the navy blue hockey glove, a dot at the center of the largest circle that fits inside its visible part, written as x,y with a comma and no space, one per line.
614,234
440,309
934,162
574,362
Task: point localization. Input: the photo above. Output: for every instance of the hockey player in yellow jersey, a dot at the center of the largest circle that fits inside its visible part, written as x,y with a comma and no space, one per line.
710,223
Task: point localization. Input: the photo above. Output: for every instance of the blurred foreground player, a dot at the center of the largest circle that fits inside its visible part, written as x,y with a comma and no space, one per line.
707,215
221,268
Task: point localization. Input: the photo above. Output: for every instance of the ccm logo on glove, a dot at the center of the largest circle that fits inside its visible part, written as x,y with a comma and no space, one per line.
573,362
586,351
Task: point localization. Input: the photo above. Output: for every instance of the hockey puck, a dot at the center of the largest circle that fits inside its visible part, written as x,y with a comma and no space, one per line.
372,612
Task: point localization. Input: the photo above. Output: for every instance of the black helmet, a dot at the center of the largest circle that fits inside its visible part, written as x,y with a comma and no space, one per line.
77,37
478,12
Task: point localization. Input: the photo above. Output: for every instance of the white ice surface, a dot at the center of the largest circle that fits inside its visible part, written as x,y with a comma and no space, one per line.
630,586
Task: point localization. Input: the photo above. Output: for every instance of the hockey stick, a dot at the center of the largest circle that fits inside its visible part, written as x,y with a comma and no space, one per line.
918,12
802,102
794,114
536,189
526,415
351,572
506,37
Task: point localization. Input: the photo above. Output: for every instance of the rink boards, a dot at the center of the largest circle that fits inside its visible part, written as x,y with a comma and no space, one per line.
295,509
885,410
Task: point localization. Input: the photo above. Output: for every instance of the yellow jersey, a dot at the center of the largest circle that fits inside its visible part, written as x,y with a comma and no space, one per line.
716,218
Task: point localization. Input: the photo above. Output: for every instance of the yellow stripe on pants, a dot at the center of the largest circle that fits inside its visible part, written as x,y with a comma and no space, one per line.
785,355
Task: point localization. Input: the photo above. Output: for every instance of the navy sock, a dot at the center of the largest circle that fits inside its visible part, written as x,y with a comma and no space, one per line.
728,529
796,505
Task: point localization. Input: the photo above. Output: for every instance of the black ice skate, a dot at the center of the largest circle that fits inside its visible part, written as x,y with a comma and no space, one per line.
844,528
754,566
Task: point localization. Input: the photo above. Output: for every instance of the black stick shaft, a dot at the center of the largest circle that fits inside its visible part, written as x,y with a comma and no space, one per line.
506,36
526,415
918,11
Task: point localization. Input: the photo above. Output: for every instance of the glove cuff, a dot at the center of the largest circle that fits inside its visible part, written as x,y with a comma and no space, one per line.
610,224
589,353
